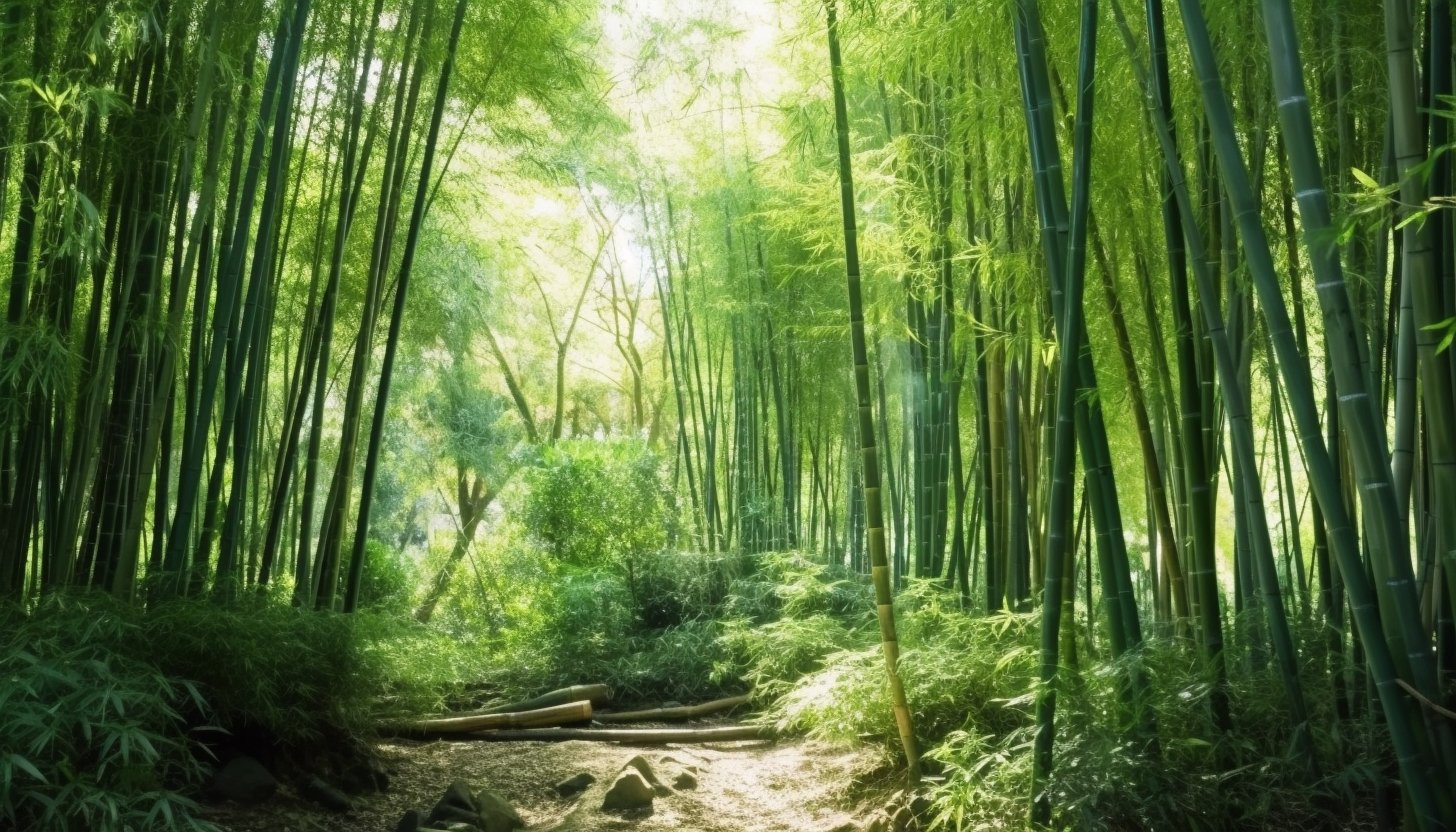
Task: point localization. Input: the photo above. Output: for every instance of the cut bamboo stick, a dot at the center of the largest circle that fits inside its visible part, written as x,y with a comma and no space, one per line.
671,714
649,736
596,694
555,715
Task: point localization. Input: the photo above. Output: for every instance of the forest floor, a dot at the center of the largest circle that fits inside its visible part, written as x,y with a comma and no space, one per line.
750,786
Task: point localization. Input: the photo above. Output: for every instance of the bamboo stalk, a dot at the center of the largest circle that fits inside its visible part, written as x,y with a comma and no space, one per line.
1069,338
875,525
542,717
596,694
681,712
648,736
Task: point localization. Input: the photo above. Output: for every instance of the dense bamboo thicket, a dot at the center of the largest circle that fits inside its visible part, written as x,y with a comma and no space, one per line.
1146,345
212,213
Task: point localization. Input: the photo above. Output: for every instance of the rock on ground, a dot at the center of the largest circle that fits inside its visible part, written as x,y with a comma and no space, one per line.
629,791
409,823
245,780
575,784
684,781
644,768
484,810
326,796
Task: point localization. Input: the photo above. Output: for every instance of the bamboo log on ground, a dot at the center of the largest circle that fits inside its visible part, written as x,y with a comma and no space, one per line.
541,717
596,694
646,736
675,713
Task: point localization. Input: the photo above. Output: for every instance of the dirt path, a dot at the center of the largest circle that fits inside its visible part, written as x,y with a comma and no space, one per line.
790,786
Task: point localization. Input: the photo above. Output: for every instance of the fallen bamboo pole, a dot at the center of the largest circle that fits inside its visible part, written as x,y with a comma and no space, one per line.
650,736
595,694
670,714
541,717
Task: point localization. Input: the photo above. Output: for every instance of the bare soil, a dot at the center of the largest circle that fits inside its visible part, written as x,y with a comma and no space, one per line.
754,786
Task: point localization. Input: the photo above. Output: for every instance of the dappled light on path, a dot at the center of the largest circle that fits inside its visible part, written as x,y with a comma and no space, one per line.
759,786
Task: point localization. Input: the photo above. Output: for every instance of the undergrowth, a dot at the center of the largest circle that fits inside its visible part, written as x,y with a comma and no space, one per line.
804,639
1122,763
107,710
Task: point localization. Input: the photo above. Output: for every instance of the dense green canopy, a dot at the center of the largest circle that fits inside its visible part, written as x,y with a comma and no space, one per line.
537,309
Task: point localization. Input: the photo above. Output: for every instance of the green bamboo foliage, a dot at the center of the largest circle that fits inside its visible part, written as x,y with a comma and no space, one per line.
205,229
158,265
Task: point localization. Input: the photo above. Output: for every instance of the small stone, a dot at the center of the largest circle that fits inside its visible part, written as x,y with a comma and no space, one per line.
409,823
575,784
245,780
462,827
326,796
459,795
629,791
496,815
684,780
844,826
483,810
903,819
669,760
645,769
366,775
445,813
879,822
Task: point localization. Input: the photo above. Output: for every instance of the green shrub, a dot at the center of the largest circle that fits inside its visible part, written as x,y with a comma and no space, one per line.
90,736
676,663
100,700
776,655
670,588
971,681
588,629
387,583
596,504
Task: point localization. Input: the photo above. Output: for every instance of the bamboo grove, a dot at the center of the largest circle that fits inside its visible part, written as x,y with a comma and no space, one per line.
211,213
1146,338
1247,243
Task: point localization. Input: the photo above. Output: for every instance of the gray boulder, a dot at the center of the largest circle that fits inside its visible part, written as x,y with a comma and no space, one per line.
496,814
409,823
483,810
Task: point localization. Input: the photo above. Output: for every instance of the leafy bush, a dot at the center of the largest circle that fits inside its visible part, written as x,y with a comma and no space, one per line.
794,585
776,655
971,683
100,700
589,630
594,504
670,588
91,737
388,581
680,663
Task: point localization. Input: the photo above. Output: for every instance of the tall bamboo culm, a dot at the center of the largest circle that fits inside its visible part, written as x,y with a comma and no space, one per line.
874,516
